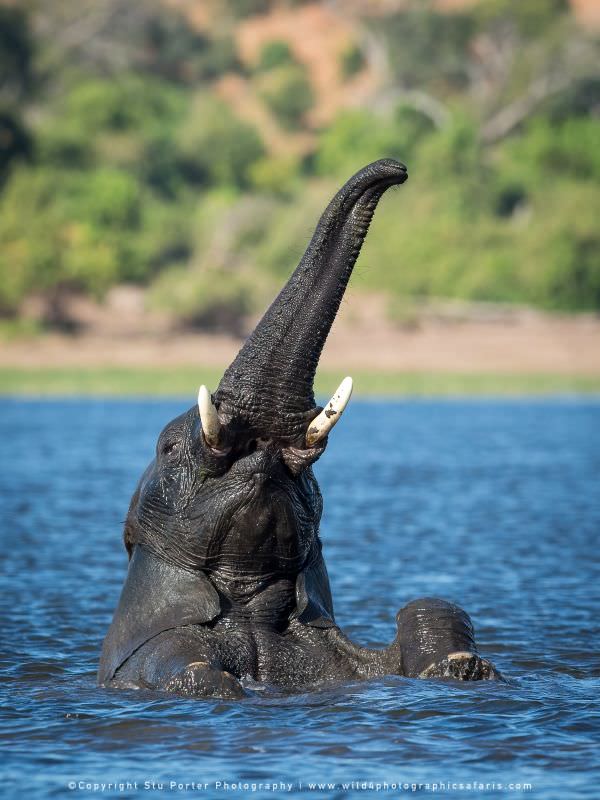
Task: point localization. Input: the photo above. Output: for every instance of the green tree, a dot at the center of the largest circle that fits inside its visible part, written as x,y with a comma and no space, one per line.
16,85
274,54
16,53
352,61
216,147
288,92
354,138
427,48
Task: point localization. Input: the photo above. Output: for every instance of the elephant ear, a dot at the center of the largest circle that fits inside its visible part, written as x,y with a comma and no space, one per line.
156,597
314,605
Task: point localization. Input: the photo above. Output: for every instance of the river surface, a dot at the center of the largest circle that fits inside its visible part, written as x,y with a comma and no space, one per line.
492,504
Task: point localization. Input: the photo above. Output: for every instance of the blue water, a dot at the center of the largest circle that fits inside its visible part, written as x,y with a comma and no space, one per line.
494,505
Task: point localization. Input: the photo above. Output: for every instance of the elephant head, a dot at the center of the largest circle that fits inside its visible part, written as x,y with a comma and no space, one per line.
228,511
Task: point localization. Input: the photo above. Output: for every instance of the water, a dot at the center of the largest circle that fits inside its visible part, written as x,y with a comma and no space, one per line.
494,505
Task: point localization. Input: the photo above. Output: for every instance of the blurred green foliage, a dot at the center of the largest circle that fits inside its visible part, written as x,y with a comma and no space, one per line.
284,84
16,51
355,131
352,61
215,300
216,147
529,18
124,163
249,8
175,51
429,48
288,93
275,54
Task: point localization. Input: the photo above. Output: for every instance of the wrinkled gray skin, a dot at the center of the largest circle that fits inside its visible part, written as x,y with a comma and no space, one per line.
226,579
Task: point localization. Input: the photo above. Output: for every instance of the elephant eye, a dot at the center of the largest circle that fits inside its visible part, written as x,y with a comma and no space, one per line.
169,447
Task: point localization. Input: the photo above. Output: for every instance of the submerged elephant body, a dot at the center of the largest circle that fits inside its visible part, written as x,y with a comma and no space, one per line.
274,635
226,578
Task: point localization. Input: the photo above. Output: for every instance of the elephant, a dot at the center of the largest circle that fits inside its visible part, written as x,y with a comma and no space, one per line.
226,585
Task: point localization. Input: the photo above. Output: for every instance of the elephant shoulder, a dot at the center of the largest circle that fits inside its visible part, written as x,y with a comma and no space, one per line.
156,597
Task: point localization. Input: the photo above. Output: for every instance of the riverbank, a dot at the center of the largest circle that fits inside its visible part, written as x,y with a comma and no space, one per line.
184,381
447,348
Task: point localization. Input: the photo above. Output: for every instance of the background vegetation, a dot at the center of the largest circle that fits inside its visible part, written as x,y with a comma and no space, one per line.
122,160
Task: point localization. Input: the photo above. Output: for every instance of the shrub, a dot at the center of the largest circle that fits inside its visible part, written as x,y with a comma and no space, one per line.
29,237
352,61
172,49
217,147
128,103
277,175
530,18
275,54
249,8
427,47
353,139
559,251
84,230
108,199
547,148
220,56
288,93
15,142
16,52
65,143
210,299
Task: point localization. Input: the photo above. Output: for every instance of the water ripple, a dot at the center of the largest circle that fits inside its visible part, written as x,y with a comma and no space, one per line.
494,505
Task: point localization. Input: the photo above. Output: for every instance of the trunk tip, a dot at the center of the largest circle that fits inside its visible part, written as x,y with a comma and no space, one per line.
387,168
379,174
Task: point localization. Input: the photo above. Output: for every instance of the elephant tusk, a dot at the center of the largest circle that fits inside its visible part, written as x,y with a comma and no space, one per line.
211,426
324,422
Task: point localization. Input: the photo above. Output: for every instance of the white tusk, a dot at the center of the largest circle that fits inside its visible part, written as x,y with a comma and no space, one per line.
211,426
321,425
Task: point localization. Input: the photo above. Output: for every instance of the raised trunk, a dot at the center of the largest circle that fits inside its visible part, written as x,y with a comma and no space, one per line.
269,386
